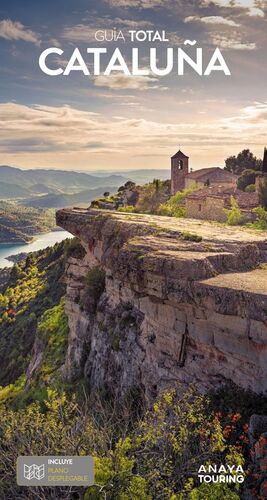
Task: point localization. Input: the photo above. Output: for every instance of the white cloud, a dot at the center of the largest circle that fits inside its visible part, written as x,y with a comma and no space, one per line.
250,117
86,32
126,82
141,4
14,30
232,42
212,20
66,137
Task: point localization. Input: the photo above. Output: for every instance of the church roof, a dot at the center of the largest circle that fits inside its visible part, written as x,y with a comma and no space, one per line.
214,174
179,154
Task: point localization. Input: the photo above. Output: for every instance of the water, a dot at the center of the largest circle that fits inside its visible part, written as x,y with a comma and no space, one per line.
41,241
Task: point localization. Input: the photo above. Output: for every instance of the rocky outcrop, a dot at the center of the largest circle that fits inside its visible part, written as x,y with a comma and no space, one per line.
173,310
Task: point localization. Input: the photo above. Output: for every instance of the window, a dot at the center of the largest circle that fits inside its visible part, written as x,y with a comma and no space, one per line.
181,164
199,207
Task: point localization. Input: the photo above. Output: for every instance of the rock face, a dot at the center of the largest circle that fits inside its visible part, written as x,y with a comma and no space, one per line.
173,310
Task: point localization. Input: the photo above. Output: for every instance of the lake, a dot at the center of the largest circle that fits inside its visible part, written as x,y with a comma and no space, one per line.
41,241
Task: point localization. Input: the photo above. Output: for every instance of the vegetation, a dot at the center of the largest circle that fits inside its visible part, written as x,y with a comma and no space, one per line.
128,208
234,215
263,192
34,286
94,287
247,178
174,207
261,221
140,453
52,330
251,188
186,235
73,248
245,160
157,455
151,195
19,224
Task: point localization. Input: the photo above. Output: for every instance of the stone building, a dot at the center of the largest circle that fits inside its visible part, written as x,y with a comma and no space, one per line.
210,203
181,178
214,176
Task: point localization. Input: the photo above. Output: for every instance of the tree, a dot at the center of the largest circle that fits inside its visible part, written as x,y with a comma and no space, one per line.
263,192
247,177
243,161
234,215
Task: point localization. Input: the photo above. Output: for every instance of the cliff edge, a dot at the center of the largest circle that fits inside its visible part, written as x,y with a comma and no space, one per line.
181,301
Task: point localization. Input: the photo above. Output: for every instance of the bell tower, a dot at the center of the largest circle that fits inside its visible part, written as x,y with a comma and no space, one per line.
179,169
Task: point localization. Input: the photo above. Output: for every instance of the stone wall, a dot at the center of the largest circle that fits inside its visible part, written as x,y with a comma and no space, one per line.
206,209
172,311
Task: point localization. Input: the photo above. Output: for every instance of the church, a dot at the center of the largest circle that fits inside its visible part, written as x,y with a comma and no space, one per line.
213,190
182,178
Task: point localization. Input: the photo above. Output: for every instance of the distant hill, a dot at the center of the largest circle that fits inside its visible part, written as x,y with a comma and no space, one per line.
49,188
43,189
51,180
141,176
66,200
8,190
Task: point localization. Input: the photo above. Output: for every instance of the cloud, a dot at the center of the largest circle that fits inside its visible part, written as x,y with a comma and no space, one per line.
66,131
141,4
14,30
66,137
86,32
250,6
126,82
79,33
250,117
211,20
231,42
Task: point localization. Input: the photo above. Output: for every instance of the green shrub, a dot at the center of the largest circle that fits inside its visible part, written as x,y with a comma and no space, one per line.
190,237
74,248
174,207
247,178
95,282
251,188
234,215
261,221
129,208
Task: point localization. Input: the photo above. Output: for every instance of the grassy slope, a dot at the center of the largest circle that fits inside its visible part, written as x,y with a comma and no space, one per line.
34,287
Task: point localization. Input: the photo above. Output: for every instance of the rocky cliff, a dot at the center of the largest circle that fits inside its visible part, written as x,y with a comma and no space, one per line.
171,309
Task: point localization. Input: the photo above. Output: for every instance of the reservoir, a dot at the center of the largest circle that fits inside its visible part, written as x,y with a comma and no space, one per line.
41,241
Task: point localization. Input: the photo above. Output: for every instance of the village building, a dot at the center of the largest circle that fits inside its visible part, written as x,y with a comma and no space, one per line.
213,190
181,178
210,203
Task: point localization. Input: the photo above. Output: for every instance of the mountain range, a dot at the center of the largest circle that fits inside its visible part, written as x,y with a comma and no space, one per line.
47,188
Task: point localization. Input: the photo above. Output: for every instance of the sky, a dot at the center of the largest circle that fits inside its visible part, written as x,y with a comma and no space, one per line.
120,122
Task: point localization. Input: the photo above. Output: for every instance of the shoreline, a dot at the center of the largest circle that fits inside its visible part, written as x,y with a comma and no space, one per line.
33,239
10,253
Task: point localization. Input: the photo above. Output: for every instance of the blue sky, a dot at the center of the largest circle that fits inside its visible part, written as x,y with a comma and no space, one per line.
117,122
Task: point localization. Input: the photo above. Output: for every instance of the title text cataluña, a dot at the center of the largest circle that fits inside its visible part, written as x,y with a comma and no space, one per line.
103,62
